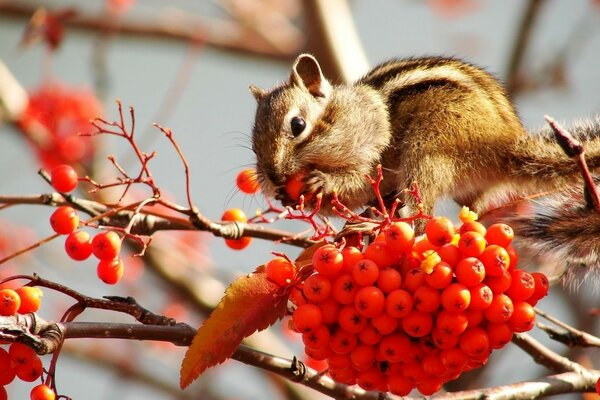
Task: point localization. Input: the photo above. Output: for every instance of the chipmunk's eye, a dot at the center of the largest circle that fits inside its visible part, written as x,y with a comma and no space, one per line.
298,125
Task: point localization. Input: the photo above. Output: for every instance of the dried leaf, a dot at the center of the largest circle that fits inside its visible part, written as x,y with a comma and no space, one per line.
251,303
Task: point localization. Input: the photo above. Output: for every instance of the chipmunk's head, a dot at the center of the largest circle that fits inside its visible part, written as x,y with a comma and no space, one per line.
284,123
326,135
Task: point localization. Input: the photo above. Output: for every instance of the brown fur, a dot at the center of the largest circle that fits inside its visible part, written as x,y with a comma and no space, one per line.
441,122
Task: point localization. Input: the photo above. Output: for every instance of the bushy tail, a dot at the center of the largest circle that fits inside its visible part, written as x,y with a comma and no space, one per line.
562,227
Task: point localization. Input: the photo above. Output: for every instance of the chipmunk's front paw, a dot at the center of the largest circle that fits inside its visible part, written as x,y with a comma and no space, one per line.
316,182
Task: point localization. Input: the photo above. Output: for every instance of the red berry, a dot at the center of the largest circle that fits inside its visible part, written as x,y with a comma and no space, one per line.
31,371
78,245
316,288
470,271
328,260
106,245
365,272
238,244
439,231
64,220
307,317
234,214
456,297
31,298
417,323
350,320
21,355
382,254
400,236
42,392
9,302
110,271
495,259
500,310
63,178
471,244
344,289
389,280
7,372
398,303
369,301
500,234
247,181
280,271
523,317
522,285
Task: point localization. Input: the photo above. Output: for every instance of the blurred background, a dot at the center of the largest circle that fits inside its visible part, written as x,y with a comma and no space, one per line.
187,65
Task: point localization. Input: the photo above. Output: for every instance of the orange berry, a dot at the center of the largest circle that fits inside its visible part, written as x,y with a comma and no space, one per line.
234,214
9,302
389,280
384,324
500,234
328,260
500,310
522,285
31,371
281,271
495,259
238,244
106,245
362,357
365,272
63,178
399,385
439,231
342,342
344,289
471,244
499,334
369,301
541,287
449,253
440,276
64,220
31,298
400,236
78,245
454,359
523,317
474,342
413,279
499,284
110,271
307,317
42,392
398,303
350,320
247,181
330,309
456,297
381,254
417,323
369,335
470,271
371,379
451,323
316,287
7,372
443,340
472,226
393,348
294,186
316,339
351,255
426,299
481,297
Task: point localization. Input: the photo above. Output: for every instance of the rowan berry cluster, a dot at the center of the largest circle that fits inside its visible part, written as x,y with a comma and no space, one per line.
79,244
19,360
411,313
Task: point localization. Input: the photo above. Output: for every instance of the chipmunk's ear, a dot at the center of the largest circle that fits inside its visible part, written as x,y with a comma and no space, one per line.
307,72
258,93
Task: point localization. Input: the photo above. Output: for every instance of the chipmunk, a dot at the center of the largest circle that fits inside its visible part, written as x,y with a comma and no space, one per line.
441,122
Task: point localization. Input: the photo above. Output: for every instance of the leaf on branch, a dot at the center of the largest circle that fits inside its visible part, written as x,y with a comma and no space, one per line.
251,303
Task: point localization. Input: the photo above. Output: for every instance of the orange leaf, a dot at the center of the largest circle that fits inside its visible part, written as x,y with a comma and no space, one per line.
250,303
